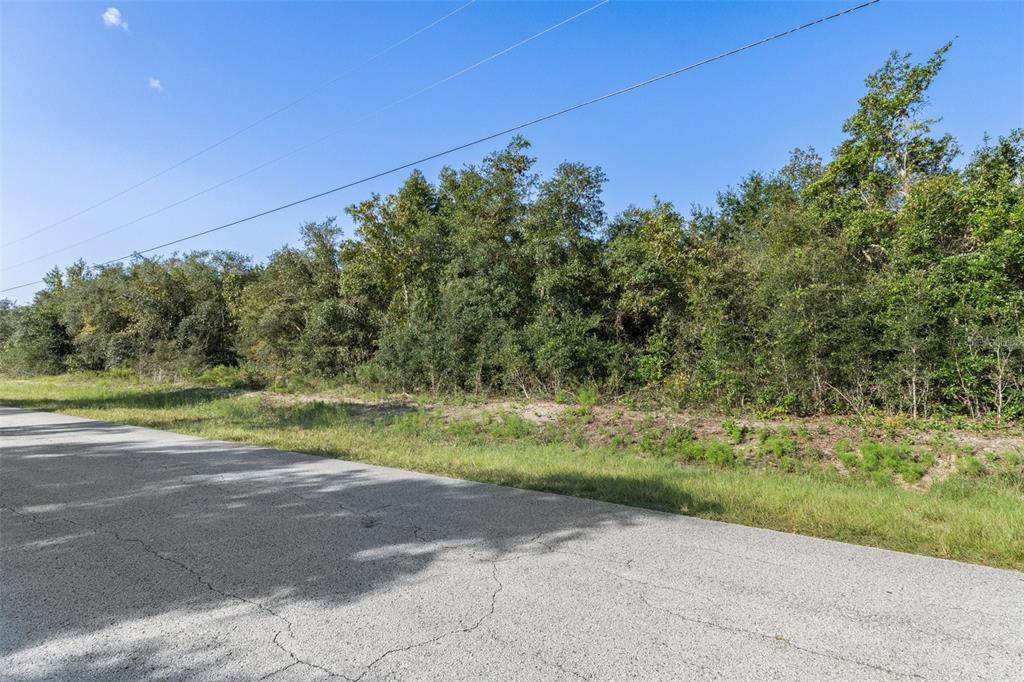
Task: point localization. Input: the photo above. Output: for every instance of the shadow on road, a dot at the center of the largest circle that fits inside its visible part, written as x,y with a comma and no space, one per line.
106,525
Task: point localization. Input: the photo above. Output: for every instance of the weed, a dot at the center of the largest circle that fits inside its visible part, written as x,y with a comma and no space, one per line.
737,432
846,455
124,373
790,464
588,397
970,466
882,460
682,445
510,425
720,454
680,434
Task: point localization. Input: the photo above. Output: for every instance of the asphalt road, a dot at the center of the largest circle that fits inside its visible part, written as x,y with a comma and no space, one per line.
136,554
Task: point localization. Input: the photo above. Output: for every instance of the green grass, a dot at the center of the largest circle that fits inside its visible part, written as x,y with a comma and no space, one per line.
970,516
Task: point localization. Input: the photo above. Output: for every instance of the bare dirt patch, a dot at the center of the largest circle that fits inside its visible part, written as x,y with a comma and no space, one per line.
817,437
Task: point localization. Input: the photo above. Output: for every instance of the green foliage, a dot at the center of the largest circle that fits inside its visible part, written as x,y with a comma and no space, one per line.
510,425
778,445
737,432
970,466
846,455
681,445
881,460
588,397
880,279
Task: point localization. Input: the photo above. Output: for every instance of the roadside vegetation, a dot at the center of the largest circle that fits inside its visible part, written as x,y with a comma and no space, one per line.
913,486
835,348
884,278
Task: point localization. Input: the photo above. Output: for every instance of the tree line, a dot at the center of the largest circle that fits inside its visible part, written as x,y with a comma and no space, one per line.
885,277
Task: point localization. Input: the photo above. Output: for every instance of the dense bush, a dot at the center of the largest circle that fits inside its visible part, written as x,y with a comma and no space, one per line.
884,277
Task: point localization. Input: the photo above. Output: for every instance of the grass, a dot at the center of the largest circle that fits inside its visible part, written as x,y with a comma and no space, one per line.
976,514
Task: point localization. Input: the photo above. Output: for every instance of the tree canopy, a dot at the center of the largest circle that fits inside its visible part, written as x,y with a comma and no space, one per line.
884,276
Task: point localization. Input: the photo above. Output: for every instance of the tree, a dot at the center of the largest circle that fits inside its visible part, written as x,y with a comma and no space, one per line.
881,276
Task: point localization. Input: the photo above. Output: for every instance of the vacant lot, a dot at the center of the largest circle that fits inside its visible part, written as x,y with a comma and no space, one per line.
929,488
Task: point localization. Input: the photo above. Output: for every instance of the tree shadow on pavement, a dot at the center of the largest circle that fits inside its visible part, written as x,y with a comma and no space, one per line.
113,537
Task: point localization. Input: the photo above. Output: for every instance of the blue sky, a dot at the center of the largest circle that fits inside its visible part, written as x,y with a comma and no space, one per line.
93,101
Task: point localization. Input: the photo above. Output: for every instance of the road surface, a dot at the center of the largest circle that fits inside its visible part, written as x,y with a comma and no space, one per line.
135,554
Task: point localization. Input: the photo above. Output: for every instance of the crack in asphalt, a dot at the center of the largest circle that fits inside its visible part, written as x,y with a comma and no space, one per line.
745,631
775,638
645,583
417,532
443,635
902,622
196,575
33,517
974,612
562,669
277,671
199,477
537,656
296,660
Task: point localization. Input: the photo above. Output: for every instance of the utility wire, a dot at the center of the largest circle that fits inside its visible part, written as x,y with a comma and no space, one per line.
250,126
317,141
479,140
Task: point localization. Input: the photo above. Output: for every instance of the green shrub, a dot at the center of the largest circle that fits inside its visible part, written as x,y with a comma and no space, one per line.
720,454
588,397
777,447
510,425
679,435
882,460
846,455
737,432
970,466
682,446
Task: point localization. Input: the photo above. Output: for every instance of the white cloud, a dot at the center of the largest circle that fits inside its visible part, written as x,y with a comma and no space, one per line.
155,84
112,19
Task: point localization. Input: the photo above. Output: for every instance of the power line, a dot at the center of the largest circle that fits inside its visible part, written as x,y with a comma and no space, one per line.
250,126
316,141
479,140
